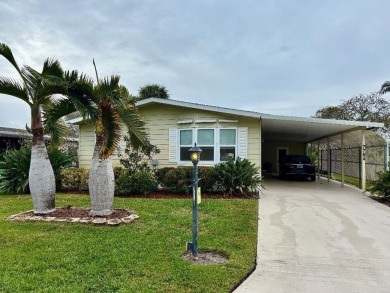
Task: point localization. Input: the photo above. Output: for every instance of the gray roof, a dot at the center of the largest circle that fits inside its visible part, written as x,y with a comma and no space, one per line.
275,127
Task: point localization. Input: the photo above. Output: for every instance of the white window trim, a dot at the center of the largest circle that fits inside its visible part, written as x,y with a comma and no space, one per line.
216,145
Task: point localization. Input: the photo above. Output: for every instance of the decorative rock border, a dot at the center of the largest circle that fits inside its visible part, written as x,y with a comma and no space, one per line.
30,217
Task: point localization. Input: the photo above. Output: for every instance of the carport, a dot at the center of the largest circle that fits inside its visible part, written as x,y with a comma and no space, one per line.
283,135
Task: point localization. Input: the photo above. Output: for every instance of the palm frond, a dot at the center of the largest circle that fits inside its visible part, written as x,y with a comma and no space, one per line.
108,126
80,93
12,87
6,52
135,126
109,88
56,110
32,79
52,67
57,130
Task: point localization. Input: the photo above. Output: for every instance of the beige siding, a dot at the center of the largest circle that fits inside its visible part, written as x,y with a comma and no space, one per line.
86,145
163,117
160,118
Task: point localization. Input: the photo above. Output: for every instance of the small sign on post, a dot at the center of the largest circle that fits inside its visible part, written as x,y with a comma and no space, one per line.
199,196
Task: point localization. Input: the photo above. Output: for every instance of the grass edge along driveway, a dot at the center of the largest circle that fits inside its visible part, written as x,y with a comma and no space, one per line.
142,257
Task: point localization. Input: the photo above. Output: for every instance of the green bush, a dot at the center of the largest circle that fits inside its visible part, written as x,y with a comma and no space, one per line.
59,160
382,185
142,182
207,176
178,180
161,173
237,177
122,181
117,172
15,166
74,179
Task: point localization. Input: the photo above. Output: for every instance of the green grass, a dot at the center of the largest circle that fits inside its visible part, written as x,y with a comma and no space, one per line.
144,256
350,180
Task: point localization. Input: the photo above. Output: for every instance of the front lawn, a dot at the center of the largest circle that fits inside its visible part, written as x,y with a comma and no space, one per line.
144,256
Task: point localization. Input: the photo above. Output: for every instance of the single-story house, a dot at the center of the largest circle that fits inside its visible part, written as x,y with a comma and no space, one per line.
222,133
10,138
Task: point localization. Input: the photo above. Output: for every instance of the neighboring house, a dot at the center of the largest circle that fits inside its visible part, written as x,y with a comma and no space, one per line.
10,138
222,133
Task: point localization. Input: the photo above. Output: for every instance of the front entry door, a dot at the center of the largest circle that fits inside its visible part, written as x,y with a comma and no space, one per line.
280,153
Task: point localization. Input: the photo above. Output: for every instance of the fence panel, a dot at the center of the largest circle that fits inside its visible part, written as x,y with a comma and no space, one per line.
375,161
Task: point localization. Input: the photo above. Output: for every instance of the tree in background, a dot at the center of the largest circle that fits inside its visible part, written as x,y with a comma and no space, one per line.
385,88
372,107
153,91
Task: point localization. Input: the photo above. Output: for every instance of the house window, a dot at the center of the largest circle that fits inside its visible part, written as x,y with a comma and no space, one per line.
206,143
217,144
186,142
227,144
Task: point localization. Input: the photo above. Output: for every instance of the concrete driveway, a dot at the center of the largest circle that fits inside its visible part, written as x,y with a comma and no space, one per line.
319,237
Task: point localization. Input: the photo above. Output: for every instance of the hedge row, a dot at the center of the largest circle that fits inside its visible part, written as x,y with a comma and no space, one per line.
233,177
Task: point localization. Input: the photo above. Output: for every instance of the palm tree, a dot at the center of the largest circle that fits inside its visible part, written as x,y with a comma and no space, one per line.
37,89
115,107
153,91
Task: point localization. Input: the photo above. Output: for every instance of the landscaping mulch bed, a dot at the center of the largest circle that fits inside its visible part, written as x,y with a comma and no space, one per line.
77,215
71,212
381,200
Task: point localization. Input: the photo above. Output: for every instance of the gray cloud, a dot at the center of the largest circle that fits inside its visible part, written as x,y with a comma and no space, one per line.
280,57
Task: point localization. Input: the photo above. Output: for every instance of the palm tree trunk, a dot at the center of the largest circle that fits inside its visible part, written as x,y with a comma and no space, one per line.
41,176
101,183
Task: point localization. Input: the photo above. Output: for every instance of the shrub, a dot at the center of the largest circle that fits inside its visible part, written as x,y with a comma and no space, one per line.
117,172
59,160
382,185
74,179
122,181
237,177
161,173
207,176
15,166
141,182
138,159
178,180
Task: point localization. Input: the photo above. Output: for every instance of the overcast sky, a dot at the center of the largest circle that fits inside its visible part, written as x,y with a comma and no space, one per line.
276,57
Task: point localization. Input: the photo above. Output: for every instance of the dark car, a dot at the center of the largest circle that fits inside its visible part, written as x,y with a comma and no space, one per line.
297,166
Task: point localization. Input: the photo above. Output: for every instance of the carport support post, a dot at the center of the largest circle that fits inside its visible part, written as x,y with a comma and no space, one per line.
328,158
318,159
363,160
342,160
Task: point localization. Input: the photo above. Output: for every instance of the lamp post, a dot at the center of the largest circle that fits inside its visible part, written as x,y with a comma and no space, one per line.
195,157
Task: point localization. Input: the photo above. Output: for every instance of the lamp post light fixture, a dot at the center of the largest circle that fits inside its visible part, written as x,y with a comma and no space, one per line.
195,157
